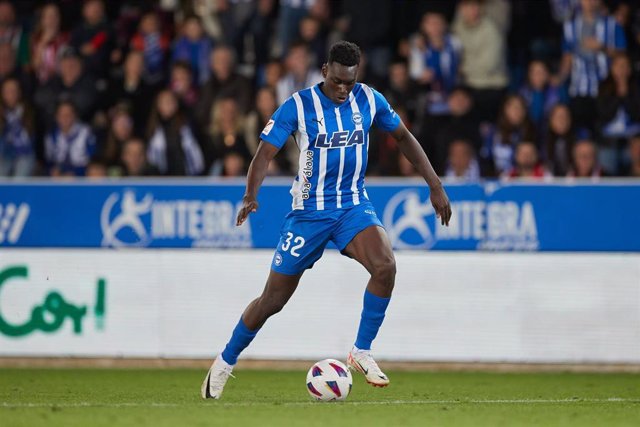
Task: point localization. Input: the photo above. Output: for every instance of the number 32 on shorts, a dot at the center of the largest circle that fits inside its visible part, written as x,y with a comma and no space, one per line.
298,242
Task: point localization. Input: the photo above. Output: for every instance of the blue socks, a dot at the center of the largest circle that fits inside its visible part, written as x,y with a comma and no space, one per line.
373,311
372,317
240,339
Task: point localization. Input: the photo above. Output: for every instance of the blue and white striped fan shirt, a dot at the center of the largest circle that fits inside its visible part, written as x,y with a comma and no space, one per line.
588,69
333,141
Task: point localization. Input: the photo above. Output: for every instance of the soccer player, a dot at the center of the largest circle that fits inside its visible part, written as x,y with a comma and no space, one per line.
330,122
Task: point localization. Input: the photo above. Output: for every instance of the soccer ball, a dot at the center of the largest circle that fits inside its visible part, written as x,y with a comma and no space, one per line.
329,379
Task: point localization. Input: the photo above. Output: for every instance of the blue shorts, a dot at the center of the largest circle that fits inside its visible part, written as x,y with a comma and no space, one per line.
305,234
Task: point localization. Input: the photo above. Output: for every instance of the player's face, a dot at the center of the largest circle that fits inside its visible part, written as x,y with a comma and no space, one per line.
339,80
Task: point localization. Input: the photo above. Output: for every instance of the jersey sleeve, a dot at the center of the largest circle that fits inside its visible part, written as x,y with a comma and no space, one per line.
282,124
385,118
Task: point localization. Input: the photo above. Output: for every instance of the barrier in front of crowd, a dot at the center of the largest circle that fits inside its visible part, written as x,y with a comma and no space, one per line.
557,216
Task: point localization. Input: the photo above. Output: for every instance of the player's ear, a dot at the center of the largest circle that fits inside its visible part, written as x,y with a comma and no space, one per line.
324,69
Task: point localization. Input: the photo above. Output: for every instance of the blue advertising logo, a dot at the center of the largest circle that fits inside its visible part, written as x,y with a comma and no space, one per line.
411,223
129,221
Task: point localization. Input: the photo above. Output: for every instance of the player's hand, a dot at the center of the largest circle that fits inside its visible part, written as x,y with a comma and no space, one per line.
248,206
441,204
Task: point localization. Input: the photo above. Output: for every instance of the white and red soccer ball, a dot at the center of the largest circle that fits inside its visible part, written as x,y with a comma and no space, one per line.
329,379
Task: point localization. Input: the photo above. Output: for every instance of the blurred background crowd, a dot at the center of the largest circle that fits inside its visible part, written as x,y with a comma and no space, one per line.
491,88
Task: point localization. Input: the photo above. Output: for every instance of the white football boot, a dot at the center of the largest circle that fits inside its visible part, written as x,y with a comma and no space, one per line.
362,361
216,378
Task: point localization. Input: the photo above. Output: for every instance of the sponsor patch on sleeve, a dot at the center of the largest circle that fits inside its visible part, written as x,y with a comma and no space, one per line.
268,127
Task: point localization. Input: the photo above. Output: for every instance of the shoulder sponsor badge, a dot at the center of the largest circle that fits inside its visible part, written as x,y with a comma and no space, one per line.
268,127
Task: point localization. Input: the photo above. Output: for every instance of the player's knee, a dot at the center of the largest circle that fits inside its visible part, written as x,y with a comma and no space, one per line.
384,271
272,305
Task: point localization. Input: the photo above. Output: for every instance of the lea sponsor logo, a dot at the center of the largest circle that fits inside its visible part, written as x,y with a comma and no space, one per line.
340,139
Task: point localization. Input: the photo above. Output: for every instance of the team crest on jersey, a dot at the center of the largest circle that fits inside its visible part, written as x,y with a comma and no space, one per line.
277,259
268,127
340,139
357,118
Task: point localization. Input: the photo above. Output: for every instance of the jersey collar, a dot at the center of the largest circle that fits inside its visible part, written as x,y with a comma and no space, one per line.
326,101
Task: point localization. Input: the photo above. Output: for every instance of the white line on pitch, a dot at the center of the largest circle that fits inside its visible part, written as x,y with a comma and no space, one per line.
353,403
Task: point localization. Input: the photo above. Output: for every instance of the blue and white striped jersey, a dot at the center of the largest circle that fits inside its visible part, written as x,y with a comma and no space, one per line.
589,68
333,141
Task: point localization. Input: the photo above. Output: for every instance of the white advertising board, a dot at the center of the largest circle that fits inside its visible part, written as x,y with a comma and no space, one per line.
516,307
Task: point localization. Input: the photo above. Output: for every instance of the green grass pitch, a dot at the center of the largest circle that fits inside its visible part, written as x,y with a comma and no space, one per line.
170,397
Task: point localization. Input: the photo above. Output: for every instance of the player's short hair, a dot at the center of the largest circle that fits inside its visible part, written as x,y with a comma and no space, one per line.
344,53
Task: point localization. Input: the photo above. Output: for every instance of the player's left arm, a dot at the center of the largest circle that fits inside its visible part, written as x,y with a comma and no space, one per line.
412,150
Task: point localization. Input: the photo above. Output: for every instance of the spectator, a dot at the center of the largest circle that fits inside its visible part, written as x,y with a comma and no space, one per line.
618,112
584,162
120,130
226,133
234,164
131,89
194,47
633,169
291,13
125,26
17,152
12,34
134,159
314,36
434,60
172,149
462,163
460,124
256,121
589,39
70,143
96,169
93,39
484,67
299,74
8,68
514,126
72,85
559,140
563,10
224,81
154,44
182,84
402,91
526,163
253,43
499,12
370,28
272,74
46,42
628,17
384,153
540,94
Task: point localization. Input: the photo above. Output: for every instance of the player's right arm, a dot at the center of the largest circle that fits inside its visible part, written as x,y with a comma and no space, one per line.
257,171
272,139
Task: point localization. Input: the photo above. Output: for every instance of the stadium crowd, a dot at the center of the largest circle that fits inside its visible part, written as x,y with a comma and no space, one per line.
491,88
